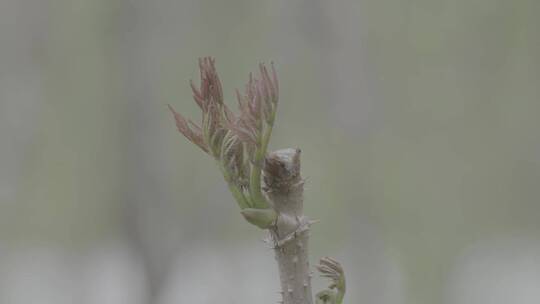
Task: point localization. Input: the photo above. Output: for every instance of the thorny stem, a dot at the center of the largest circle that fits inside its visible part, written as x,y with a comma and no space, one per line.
290,235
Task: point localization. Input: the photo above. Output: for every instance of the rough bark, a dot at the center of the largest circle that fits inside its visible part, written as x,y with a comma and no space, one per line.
284,188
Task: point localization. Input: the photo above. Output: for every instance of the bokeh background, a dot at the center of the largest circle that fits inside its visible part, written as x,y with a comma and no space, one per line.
418,120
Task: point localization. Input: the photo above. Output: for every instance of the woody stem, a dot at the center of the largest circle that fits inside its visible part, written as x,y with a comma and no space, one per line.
290,234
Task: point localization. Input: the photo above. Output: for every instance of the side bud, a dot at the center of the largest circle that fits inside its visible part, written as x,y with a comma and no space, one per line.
262,218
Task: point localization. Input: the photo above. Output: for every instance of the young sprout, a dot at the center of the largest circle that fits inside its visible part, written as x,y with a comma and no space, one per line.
331,269
238,143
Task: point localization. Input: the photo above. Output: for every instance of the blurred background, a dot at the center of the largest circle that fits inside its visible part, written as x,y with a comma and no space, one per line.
418,122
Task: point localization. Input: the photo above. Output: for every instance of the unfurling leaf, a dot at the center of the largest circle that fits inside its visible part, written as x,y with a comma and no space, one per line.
237,142
330,268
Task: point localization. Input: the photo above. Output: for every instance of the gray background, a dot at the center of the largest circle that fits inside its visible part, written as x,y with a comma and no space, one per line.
418,122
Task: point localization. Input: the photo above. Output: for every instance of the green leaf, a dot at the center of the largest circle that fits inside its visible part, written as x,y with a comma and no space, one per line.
262,218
